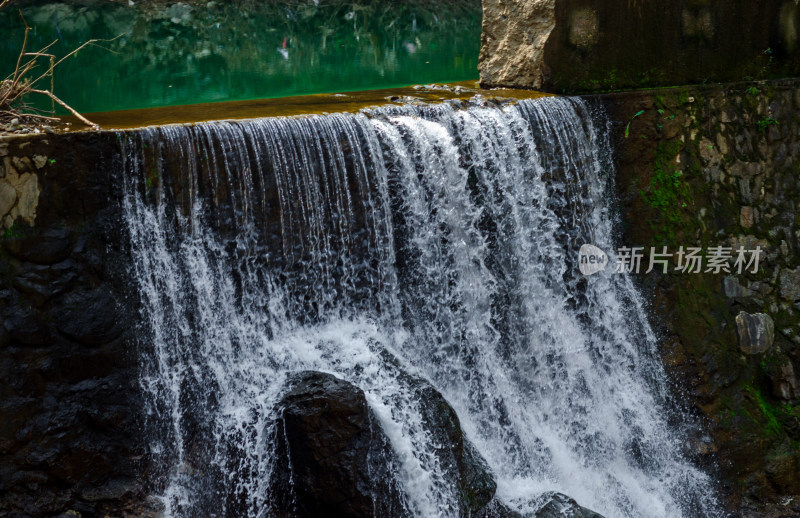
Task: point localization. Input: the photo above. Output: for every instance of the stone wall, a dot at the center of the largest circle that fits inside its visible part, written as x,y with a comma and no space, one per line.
588,45
720,166
70,425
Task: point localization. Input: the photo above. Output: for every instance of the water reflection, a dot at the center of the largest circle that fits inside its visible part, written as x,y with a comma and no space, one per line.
190,53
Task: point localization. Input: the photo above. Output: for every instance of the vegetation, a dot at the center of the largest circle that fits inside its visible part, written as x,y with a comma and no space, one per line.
765,122
668,191
628,126
772,425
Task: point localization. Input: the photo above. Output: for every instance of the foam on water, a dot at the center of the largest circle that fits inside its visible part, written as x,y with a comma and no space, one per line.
436,240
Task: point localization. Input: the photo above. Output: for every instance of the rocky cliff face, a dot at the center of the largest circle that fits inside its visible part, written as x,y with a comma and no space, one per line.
707,167
585,45
69,410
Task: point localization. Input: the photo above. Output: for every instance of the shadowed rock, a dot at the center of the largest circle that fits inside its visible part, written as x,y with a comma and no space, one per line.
333,458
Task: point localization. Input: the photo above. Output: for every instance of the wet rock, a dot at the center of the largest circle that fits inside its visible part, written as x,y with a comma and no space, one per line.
497,509
341,461
41,247
89,317
25,327
782,467
461,460
557,505
756,332
117,489
332,455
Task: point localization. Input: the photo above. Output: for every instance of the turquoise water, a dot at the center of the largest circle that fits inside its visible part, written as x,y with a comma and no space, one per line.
193,53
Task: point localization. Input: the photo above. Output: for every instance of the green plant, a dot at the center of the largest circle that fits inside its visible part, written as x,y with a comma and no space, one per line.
765,122
753,91
628,126
13,232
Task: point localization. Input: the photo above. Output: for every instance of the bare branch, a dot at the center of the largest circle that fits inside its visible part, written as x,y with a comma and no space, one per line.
72,53
66,106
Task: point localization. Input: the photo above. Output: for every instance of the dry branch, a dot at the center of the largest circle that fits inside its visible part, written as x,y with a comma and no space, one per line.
20,83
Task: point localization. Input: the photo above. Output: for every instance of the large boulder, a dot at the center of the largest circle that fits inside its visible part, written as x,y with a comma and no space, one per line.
459,458
546,505
558,505
333,458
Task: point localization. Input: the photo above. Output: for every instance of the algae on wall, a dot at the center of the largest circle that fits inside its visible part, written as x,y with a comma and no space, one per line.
720,166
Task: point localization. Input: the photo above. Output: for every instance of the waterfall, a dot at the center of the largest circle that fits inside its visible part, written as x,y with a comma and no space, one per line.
444,235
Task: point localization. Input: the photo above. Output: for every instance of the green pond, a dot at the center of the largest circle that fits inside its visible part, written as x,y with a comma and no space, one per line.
187,53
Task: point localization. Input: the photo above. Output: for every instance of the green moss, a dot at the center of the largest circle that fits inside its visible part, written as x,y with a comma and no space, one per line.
770,414
668,192
16,231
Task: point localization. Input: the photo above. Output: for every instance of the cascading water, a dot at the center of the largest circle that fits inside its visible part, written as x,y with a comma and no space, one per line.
445,235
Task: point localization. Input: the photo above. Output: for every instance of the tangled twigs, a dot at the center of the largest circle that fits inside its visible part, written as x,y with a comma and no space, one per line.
23,81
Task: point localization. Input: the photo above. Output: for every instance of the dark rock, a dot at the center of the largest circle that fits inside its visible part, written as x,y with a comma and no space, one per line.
89,317
548,505
68,414
48,247
457,455
333,458
782,467
25,327
497,509
116,489
557,505
784,380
